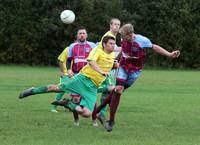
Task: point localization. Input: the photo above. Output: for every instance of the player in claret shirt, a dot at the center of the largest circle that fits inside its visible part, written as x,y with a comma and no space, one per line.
77,54
131,64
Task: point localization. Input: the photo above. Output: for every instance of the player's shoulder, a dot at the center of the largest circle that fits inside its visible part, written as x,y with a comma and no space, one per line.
92,44
141,37
109,33
143,41
66,49
73,44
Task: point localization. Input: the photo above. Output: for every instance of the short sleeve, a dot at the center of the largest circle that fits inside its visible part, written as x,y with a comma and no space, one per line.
94,54
63,56
146,43
70,51
93,45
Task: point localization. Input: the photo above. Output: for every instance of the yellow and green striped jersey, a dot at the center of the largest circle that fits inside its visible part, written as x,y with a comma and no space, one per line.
105,62
63,58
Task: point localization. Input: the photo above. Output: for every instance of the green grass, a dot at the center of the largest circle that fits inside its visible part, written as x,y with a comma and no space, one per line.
162,108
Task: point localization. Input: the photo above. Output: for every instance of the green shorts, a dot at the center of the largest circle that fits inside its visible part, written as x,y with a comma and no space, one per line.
83,86
109,81
64,78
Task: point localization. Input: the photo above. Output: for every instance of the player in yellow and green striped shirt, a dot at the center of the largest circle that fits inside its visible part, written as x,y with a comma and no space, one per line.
86,83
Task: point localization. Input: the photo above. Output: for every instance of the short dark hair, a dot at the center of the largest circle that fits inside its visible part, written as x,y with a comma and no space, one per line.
81,28
107,38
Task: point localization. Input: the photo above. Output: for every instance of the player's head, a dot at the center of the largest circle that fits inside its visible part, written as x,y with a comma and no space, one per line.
108,44
81,34
115,25
127,32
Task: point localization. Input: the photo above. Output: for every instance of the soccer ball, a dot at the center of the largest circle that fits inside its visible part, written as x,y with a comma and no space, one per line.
67,16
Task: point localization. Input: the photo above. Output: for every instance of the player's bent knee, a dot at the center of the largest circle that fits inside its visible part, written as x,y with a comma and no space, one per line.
119,89
86,113
79,109
110,88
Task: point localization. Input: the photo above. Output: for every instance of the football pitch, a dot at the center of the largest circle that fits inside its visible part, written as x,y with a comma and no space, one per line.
161,108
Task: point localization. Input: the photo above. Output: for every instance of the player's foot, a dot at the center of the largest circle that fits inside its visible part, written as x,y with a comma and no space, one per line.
76,122
61,103
109,125
26,93
65,103
94,123
101,118
54,111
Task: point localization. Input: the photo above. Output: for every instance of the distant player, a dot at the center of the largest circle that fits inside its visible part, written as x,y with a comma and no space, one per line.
78,52
131,64
86,83
62,58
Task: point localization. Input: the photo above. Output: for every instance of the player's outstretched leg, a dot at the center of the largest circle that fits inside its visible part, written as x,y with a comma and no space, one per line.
26,93
38,90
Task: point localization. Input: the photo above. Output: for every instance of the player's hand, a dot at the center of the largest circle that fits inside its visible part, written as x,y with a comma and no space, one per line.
175,54
62,74
116,65
105,74
70,73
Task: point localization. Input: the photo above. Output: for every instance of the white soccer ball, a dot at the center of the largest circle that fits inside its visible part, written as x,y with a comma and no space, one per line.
67,16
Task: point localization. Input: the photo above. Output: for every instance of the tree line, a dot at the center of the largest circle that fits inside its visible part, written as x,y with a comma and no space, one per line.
31,31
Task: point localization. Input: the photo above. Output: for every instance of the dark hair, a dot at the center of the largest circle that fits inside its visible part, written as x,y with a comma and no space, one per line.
107,38
81,28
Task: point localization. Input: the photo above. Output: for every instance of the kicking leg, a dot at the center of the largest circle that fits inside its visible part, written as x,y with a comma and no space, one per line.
39,90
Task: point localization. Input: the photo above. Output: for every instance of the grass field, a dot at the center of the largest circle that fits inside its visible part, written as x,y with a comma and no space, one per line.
162,108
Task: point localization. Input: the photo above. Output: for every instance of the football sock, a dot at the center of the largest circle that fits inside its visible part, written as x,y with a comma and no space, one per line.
75,115
114,105
71,105
58,98
102,89
105,102
103,97
94,113
39,90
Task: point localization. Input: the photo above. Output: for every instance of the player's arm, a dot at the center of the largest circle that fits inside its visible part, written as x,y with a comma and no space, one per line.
69,60
69,70
61,66
116,64
62,61
162,51
95,66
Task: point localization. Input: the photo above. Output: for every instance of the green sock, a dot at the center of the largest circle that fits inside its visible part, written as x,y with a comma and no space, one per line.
58,98
39,90
72,105
102,89
54,107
